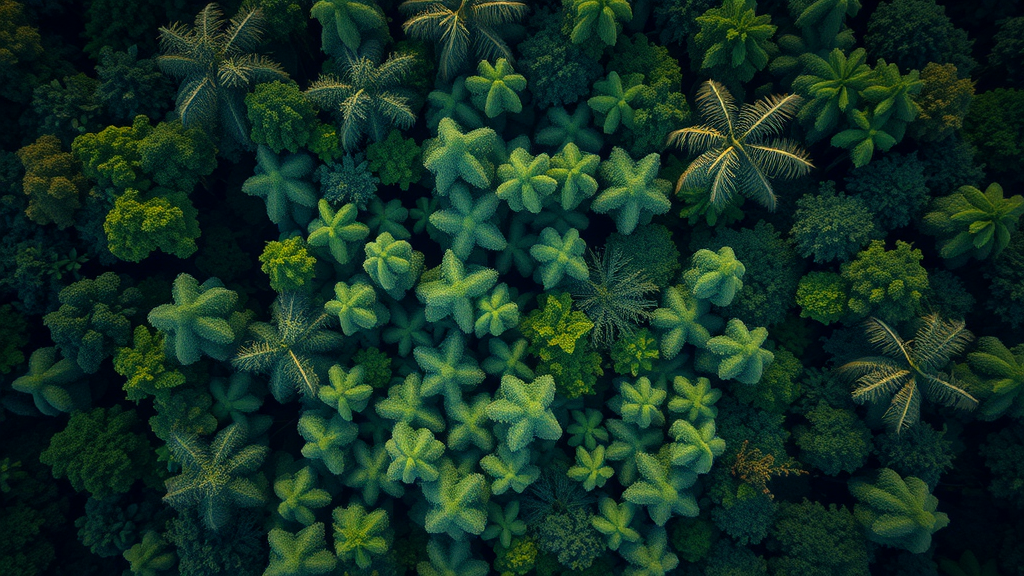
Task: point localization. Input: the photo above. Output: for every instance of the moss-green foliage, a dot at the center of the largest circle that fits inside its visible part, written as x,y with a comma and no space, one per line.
779,386
823,296
455,155
922,451
469,221
737,354
632,190
651,249
496,88
836,441
201,321
611,102
281,117
886,283
392,264
395,160
525,407
456,500
288,264
561,129
833,88
944,102
1001,451
281,182
634,353
830,225
559,256
734,41
100,451
337,231
327,436
555,333
347,23
451,293
525,184
812,539
300,553
53,182
970,223
161,220
145,365
111,156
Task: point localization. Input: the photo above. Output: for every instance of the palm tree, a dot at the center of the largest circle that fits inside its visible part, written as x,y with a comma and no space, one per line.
458,25
908,367
368,97
614,296
217,68
739,149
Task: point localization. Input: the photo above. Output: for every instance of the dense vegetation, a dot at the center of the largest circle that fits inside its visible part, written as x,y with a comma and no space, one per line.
470,287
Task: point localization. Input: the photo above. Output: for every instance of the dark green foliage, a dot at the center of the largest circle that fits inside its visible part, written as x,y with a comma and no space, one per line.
348,181
570,537
111,526
177,156
823,296
216,477
833,88
93,320
496,88
994,124
1006,277
944,101
21,69
692,538
347,23
912,33
677,19
130,86
651,249
182,410
1001,451
217,67
922,452
886,283
240,547
728,559
291,351
836,441
558,72
812,540
1009,47
396,160
460,28
299,554
772,272
100,451
831,226
779,386
376,366
281,117
950,164
892,188
151,556
555,332
64,108
910,369
14,338
614,296
281,181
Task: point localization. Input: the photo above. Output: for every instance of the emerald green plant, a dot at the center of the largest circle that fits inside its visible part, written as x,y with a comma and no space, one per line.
683,319
455,559
632,190
909,371
369,475
392,264
448,369
281,182
1002,371
346,23
559,256
639,403
503,523
301,553
469,423
346,391
356,307
413,454
897,512
564,129
591,469
509,470
695,400
360,535
526,409
612,101
614,297
454,155
663,490
833,89
734,42
469,221
452,293
198,321
739,353
300,496
716,277
615,522
337,230
406,403
969,223
327,438
496,88
574,171
455,102
496,313
598,16
695,447
456,504
525,183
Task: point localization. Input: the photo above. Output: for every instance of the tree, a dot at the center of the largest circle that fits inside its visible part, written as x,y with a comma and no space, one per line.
738,148
299,554
614,296
458,26
615,523
897,512
612,101
639,403
288,264
53,182
281,181
833,87
456,503
969,223
337,229
733,41
683,319
910,369
591,469
574,171
598,16
215,477
663,489
652,556
282,118
367,97
346,392
327,437
831,225
633,190
526,408
102,451
406,403
496,88
525,183
1002,370
393,265
217,67
370,475
503,523
716,277
151,556
457,560
496,313
145,365
356,307
559,256
55,383
290,352
886,283
359,535
199,321
695,447
695,400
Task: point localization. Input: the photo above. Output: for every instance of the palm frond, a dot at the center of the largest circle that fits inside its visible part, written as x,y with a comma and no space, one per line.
489,45
427,25
234,119
717,106
418,5
722,171
227,441
209,21
396,109
945,390
175,39
196,102
257,357
887,340
753,182
394,70
454,39
905,408
245,32
767,116
355,111
178,65
880,383
489,14
328,92
780,159
696,138
696,175
938,340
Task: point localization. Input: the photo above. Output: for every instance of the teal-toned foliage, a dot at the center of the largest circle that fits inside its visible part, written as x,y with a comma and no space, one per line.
496,313
356,307
600,17
456,560
897,512
299,554
496,88
734,42
455,102
448,369
369,474
281,182
560,256
457,503
683,319
639,403
469,221
337,230
835,442
632,190
574,171
406,403
413,454
612,101
392,264
503,523
326,439
469,424
346,392
663,490
525,408
300,496
451,294
525,183
216,477
738,353
562,129
347,23
652,557
586,429
456,155
716,277
509,470
199,321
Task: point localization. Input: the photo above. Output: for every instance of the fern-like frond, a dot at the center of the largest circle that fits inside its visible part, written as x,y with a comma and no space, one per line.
208,22
454,40
197,102
179,66
945,390
256,357
396,109
937,341
696,138
175,39
767,116
780,159
328,92
394,70
428,24
244,33
490,14
490,46
243,71
716,104
754,182
722,171
233,118
887,340
905,408
880,383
